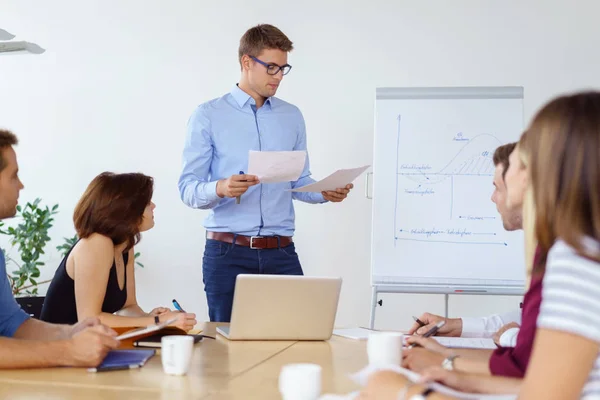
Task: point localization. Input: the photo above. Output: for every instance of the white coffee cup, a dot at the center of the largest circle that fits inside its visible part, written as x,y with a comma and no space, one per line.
300,381
385,348
176,354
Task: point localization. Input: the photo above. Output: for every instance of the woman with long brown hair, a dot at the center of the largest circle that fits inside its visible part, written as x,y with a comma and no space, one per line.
96,277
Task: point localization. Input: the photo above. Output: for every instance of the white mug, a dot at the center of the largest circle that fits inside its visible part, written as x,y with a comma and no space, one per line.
176,354
300,381
385,348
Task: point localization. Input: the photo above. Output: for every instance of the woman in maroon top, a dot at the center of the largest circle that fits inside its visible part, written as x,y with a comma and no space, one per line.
503,361
503,365
506,363
513,361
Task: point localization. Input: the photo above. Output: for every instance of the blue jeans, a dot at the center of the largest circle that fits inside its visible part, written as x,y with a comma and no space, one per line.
223,262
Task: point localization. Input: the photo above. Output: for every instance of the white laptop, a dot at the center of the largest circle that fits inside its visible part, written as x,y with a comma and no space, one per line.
283,307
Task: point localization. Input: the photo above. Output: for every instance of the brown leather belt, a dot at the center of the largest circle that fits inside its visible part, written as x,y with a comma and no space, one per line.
254,242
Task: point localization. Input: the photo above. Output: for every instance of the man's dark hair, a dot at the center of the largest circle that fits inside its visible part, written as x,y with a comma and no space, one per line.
501,156
261,37
7,139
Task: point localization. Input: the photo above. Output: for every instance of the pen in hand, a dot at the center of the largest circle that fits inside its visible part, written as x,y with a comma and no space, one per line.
430,332
238,198
421,324
177,306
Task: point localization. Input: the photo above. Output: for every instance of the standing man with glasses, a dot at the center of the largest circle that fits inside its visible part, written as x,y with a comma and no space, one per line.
254,234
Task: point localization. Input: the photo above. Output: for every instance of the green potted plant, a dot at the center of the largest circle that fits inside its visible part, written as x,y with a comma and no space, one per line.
68,244
29,237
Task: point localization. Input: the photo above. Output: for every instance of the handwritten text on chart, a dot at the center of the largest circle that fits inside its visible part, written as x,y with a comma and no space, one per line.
419,167
452,232
419,191
460,138
474,217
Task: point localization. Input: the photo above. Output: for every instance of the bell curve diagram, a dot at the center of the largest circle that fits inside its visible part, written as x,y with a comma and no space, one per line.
447,198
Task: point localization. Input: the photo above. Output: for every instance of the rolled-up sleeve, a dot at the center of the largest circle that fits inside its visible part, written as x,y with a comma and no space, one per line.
488,326
195,188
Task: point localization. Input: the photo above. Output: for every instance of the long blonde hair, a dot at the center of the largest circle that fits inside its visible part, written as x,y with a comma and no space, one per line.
562,151
531,242
528,211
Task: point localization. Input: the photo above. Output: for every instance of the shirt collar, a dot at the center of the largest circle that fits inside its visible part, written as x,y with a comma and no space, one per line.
242,97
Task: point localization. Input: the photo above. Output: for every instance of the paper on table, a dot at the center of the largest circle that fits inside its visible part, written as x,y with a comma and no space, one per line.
359,333
354,333
465,343
276,166
338,179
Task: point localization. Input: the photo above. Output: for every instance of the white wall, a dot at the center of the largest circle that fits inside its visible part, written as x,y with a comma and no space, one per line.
120,78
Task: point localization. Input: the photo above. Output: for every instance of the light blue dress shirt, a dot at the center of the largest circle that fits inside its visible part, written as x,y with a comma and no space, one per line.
219,136
11,314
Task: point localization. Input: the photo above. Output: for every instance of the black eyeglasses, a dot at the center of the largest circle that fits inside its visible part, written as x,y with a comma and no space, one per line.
273,69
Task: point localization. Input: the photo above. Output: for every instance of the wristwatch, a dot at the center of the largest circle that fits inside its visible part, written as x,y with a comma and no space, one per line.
423,395
448,363
156,320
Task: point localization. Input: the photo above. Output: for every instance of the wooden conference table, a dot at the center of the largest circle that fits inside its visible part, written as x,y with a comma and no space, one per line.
221,369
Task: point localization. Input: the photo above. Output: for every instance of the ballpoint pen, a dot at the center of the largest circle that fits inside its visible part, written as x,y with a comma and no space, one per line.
430,332
418,321
238,198
177,306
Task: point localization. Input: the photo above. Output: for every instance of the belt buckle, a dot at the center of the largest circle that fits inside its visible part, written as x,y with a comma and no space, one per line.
252,241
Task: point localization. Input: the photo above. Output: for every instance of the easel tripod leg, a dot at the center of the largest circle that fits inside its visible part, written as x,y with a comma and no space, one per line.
373,307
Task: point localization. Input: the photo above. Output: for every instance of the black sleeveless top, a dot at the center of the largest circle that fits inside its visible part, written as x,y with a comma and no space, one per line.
60,306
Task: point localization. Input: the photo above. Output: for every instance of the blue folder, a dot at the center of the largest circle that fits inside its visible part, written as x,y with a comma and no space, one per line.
124,359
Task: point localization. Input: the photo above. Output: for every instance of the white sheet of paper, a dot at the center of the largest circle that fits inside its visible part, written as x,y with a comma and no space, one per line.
353,333
359,333
466,343
338,179
276,166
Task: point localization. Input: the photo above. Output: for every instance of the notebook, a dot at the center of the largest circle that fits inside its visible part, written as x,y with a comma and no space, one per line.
131,333
123,359
155,340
